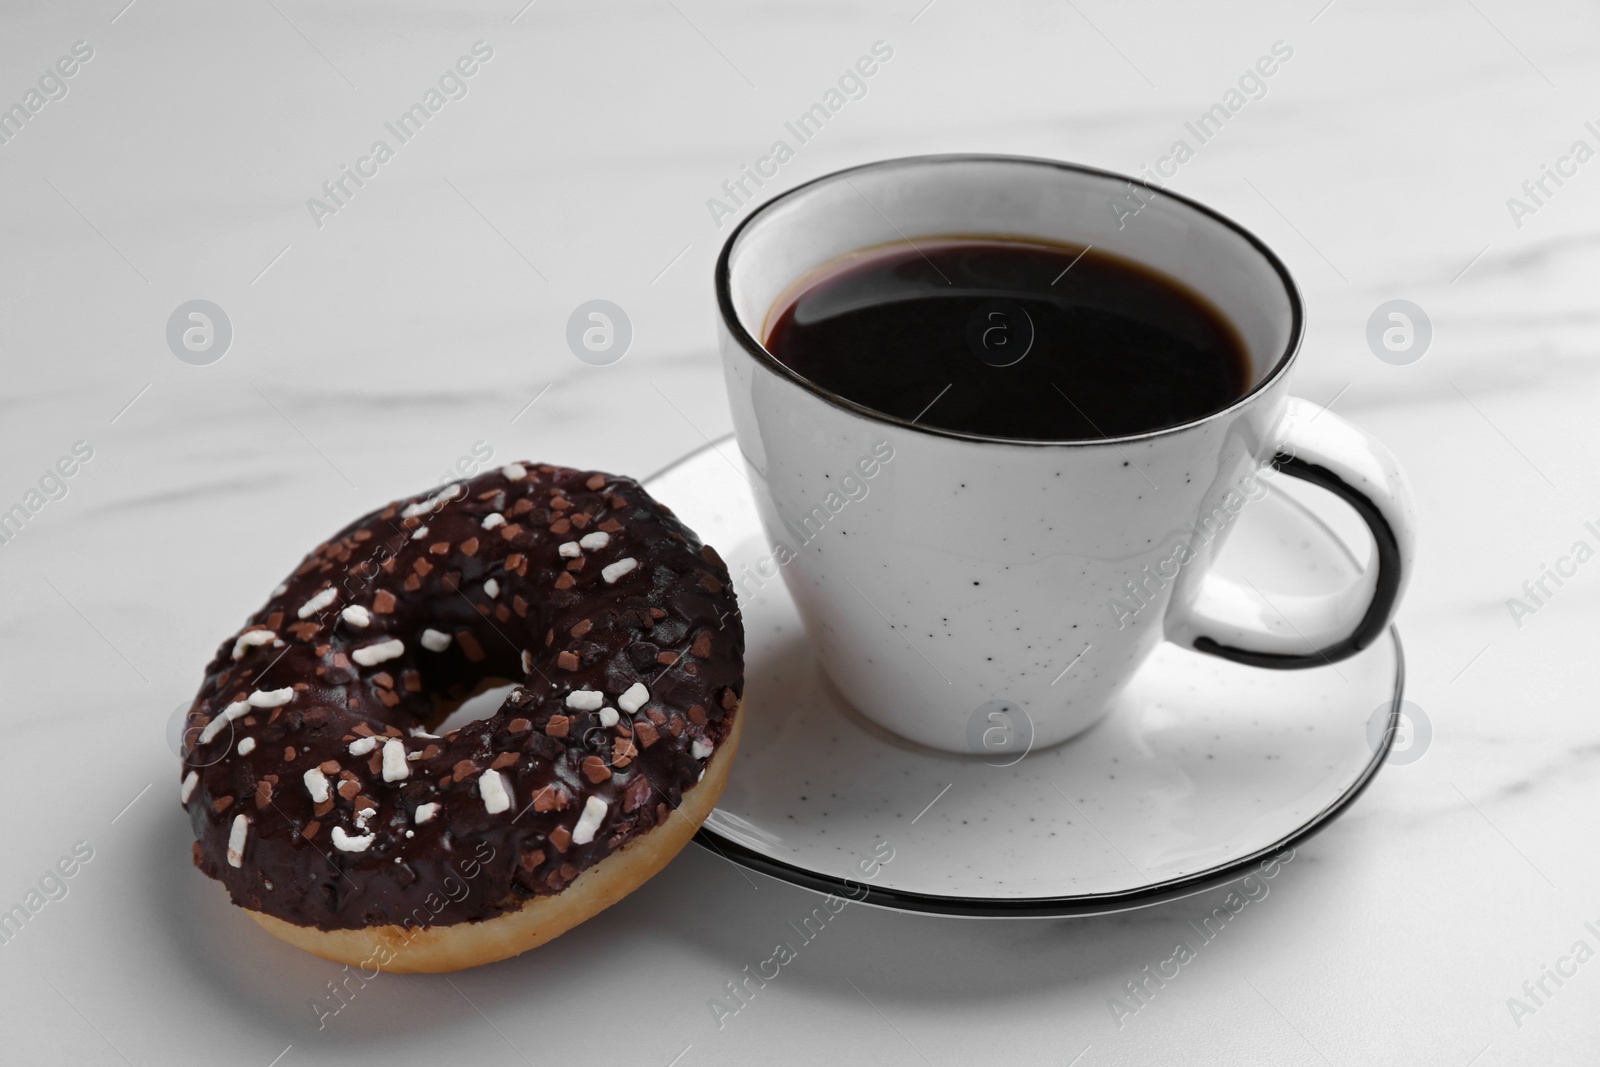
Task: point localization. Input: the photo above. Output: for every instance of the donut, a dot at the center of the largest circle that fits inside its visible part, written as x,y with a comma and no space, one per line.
324,802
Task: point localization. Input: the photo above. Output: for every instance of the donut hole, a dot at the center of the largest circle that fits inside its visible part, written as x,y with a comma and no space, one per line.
484,703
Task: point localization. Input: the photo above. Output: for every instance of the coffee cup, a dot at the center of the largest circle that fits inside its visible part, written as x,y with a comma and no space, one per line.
942,573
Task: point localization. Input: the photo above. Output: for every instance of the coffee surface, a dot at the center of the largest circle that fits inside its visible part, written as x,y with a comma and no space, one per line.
1012,339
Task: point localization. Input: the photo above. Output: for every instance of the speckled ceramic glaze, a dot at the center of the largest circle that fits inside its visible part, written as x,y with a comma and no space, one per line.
1201,769
965,592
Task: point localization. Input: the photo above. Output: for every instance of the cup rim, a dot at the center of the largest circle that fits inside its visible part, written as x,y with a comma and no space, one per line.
758,351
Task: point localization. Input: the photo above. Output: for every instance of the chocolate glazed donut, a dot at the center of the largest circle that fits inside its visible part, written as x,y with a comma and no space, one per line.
320,798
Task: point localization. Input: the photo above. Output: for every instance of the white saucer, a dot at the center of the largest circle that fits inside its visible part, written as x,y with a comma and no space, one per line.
1204,768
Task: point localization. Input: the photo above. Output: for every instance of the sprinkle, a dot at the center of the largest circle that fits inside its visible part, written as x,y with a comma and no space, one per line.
527,662
214,727
634,698
271,698
493,519
363,745
382,652
569,550
316,785
394,760
190,780
425,813
443,496
701,749
236,836
609,717
409,834
283,587
594,811
514,472
251,638
598,539
492,787
348,842
419,533
492,587
363,815
417,731
318,602
435,641
357,616
616,570
247,746
585,699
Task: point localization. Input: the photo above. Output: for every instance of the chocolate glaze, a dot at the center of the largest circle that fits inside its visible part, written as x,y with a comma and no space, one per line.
670,623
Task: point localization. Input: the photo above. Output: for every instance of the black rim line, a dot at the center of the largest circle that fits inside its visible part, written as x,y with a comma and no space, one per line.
759,353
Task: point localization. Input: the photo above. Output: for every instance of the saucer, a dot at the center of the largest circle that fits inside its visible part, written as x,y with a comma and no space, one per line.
1201,770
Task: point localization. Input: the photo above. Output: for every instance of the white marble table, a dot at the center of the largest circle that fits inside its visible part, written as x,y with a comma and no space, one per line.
427,313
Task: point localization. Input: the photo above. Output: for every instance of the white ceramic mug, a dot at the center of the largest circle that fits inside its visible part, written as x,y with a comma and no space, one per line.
941,573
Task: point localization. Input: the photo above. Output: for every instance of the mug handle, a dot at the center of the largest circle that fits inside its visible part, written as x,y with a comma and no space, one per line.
1289,631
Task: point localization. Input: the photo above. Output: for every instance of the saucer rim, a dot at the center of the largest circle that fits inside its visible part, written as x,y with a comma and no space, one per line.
1078,905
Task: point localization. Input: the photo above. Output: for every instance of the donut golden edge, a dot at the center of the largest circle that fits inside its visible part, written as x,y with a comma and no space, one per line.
441,949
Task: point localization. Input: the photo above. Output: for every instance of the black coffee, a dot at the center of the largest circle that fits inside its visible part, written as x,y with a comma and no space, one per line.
1015,339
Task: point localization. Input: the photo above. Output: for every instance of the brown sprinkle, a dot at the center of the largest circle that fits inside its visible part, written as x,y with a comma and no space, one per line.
469,547
702,645
383,601
505,759
582,628
560,838
567,661
557,726
518,726
595,769
469,645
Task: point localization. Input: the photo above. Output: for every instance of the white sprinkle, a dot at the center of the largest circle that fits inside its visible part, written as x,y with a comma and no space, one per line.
283,587
271,698
569,550
422,507
493,519
363,815
419,533
609,717
251,638
247,746
592,541
585,699
514,472
435,641
594,812
417,731
382,652
527,662
362,745
190,780
316,785
214,727
348,842
409,834
394,760
425,813
236,836
616,570
492,787
634,698
357,616
491,587
701,749
318,602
